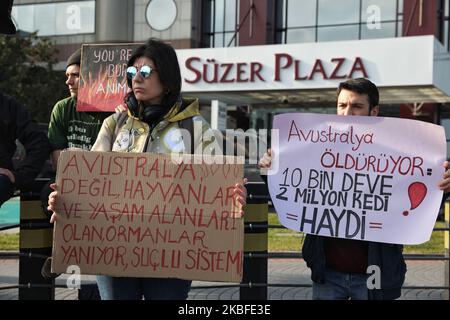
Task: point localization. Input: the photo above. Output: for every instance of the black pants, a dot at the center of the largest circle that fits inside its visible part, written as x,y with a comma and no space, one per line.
6,189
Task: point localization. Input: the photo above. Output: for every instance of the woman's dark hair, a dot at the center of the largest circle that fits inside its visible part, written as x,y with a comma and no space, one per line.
166,63
362,86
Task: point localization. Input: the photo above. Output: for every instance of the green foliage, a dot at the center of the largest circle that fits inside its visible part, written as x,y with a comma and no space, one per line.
26,64
9,241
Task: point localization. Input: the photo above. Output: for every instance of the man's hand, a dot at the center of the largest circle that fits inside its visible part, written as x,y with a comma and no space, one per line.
444,184
8,173
265,162
240,193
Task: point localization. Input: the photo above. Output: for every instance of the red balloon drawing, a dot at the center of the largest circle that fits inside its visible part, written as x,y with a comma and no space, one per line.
416,192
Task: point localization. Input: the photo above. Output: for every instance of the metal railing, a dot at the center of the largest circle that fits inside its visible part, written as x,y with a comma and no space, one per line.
255,276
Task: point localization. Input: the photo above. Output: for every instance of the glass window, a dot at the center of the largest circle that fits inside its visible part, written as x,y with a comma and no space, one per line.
230,15
301,35
228,41
301,13
219,15
219,22
399,28
218,40
44,19
23,14
386,30
338,12
337,33
385,9
327,20
52,19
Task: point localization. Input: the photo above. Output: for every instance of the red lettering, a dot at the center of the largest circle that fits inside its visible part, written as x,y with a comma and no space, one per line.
215,72
318,68
358,65
72,163
279,58
227,68
140,164
65,187
255,69
334,74
190,67
297,71
86,162
240,72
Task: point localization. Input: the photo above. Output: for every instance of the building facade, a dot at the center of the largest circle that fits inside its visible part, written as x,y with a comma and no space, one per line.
263,57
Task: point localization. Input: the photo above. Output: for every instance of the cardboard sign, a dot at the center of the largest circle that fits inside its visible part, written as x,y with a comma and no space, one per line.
142,215
103,79
364,178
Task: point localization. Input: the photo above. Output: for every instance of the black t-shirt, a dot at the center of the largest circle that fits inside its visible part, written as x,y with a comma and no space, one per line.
345,255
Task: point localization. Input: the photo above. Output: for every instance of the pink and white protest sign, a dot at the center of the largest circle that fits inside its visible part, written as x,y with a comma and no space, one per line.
363,178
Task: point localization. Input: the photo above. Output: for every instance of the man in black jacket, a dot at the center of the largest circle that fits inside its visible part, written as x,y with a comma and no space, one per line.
16,123
340,267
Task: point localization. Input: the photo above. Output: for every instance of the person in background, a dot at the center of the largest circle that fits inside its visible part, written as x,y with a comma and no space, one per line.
339,266
155,112
69,128
17,124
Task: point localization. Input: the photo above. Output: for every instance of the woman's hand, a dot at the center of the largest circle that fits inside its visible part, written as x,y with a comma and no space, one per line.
121,108
240,194
52,203
266,161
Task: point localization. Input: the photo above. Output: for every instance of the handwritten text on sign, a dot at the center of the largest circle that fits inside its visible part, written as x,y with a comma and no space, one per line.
365,178
125,214
103,82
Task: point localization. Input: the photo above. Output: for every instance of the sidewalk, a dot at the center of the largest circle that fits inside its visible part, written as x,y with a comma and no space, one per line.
281,271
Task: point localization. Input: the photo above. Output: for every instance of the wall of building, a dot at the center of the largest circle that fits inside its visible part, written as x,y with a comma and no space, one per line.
420,18
179,34
253,22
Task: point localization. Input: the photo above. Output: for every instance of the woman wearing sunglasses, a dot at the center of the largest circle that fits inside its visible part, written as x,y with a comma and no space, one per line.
155,115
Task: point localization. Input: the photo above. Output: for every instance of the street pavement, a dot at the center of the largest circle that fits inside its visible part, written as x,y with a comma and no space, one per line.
281,271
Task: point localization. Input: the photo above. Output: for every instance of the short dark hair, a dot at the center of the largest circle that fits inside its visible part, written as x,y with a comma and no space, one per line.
362,86
166,64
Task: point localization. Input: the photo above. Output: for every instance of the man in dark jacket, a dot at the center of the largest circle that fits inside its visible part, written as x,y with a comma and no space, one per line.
16,123
340,267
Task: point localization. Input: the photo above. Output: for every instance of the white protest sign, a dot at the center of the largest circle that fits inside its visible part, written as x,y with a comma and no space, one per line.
363,178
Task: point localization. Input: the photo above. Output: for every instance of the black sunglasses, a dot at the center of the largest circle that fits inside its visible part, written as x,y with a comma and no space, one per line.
145,71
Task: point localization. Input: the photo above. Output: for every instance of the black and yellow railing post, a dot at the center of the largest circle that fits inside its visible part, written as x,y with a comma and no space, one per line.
35,239
255,242
447,245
